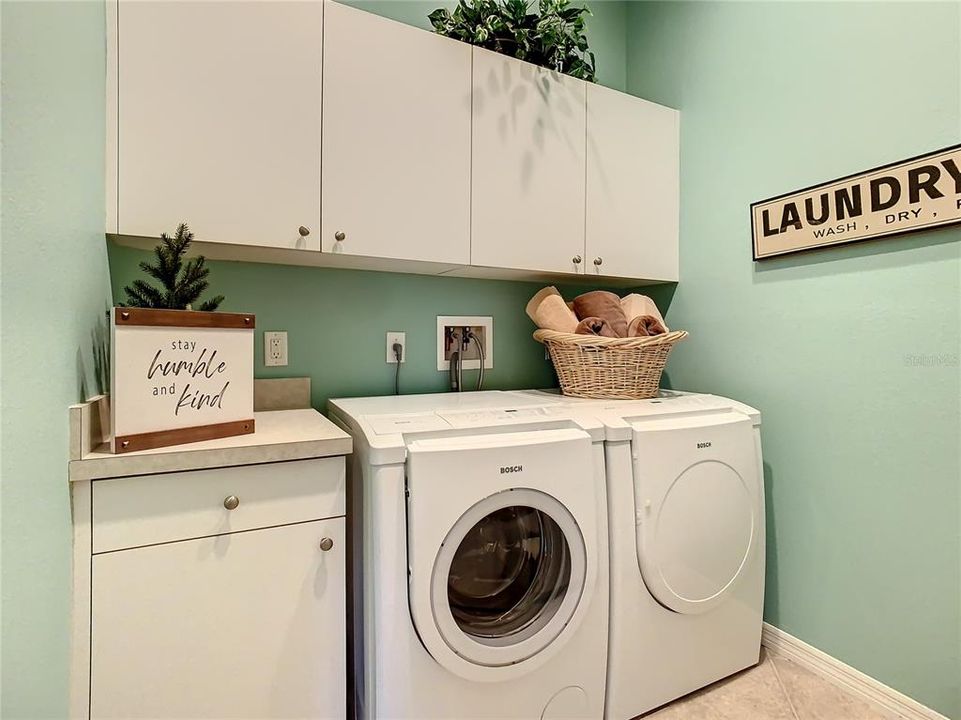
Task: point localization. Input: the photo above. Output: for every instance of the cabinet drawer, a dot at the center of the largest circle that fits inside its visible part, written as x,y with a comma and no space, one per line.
150,509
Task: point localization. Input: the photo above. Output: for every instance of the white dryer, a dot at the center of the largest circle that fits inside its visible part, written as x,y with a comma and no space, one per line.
480,574
686,523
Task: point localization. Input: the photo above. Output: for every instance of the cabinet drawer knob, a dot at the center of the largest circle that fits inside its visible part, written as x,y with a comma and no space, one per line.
576,259
326,544
598,260
340,235
303,230
231,502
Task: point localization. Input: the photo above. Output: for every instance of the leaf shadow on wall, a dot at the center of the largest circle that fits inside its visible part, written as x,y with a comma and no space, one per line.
521,85
100,355
81,377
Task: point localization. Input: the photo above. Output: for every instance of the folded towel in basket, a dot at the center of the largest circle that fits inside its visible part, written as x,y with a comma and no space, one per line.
645,326
635,305
594,326
549,311
604,305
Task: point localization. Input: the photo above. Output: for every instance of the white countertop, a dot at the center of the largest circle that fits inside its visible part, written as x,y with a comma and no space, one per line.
280,435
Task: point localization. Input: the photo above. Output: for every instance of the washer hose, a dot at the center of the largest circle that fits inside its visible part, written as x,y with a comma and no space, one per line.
480,351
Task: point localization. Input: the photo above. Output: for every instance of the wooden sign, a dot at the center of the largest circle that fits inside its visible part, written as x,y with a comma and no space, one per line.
180,376
916,194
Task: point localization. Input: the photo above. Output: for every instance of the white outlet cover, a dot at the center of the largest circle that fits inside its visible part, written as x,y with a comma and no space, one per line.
393,337
484,321
275,349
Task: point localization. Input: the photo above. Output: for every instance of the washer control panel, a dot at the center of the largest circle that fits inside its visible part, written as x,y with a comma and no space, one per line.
487,418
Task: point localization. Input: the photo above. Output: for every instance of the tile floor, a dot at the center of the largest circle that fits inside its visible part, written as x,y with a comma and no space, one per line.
777,689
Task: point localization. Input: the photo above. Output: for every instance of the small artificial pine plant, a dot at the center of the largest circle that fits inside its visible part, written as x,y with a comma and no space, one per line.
553,37
183,283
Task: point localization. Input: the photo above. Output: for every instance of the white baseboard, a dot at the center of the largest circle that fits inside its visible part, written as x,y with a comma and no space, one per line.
855,682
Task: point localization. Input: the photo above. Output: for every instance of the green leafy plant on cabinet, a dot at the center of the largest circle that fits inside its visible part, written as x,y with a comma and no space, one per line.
182,283
553,37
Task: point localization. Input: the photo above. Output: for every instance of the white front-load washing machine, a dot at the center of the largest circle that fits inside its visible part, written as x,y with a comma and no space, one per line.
686,522
480,573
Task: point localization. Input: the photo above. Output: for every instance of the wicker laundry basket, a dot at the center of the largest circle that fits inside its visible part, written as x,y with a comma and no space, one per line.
609,368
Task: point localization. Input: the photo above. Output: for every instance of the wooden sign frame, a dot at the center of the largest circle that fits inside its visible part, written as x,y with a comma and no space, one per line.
920,193
155,358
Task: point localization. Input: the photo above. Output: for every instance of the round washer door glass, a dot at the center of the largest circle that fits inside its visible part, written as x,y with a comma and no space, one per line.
508,574
513,570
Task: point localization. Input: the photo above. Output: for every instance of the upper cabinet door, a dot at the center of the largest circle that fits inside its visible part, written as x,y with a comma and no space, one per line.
632,187
528,166
396,139
219,120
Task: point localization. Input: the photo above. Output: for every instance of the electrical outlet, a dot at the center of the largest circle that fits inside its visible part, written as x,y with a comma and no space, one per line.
396,337
275,349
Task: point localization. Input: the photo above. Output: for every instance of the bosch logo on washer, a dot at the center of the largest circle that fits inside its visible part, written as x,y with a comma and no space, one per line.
512,469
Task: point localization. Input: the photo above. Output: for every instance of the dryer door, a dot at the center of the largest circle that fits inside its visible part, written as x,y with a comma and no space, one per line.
499,540
698,502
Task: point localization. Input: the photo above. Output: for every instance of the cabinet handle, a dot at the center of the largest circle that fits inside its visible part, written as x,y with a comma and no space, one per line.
303,230
598,261
231,502
340,235
326,544
576,259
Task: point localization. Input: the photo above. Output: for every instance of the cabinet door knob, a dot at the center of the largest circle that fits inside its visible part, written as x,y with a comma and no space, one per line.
340,235
304,231
576,259
326,544
598,260
231,502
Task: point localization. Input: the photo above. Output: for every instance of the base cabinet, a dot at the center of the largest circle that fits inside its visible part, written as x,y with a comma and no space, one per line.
215,593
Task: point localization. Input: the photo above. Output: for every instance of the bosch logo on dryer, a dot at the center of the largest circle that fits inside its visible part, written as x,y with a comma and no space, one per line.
507,469
703,445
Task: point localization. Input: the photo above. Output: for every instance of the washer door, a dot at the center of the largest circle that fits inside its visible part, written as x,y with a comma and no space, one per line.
508,577
697,492
503,547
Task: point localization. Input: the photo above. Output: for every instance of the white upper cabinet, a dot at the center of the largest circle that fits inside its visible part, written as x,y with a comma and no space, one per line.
284,125
632,187
218,119
396,140
528,167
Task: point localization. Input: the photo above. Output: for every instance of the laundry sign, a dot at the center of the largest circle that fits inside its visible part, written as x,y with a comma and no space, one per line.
916,194
180,376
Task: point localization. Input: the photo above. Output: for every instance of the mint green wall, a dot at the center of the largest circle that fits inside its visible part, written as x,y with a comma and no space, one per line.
607,35
412,12
54,290
852,354
606,29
